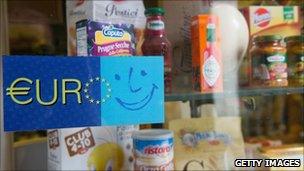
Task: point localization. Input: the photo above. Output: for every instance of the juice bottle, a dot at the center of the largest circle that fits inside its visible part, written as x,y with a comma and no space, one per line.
156,42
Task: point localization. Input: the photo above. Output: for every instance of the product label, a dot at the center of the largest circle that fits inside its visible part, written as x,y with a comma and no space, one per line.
53,139
82,46
143,167
103,39
266,20
211,70
155,25
113,9
192,138
113,41
272,67
288,13
155,153
80,142
261,17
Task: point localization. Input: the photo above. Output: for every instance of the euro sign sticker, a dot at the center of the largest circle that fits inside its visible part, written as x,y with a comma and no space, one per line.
46,92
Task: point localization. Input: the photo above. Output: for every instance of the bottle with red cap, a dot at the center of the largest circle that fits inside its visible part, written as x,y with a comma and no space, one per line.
156,42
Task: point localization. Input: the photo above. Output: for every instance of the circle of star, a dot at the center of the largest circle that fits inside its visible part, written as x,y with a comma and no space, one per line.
97,80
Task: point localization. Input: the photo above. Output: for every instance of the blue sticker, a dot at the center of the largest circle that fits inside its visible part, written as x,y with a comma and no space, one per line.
45,92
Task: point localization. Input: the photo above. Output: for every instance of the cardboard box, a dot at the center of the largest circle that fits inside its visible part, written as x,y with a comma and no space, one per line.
269,20
91,148
206,54
127,12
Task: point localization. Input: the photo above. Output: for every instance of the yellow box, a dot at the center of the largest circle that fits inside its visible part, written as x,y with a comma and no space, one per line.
269,20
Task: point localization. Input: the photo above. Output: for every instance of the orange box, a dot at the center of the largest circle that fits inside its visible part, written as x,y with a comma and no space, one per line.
206,54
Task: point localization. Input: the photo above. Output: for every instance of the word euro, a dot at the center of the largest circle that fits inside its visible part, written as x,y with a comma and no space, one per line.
15,92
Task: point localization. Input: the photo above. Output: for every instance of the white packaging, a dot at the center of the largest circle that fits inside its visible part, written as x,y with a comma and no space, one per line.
124,11
91,148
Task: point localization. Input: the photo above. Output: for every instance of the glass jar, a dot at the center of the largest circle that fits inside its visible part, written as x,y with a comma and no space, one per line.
268,62
295,54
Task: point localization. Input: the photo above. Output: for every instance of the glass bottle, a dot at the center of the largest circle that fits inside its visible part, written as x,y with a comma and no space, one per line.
156,42
295,55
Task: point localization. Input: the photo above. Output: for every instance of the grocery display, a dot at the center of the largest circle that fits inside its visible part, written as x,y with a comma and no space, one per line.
295,60
210,85
269,62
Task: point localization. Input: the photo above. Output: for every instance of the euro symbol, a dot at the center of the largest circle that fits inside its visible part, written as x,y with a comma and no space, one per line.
19,91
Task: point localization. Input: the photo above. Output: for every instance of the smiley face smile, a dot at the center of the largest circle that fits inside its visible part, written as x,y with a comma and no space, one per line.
135,105
140,104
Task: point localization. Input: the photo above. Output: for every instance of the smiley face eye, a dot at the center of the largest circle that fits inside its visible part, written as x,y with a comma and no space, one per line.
117,77
143,73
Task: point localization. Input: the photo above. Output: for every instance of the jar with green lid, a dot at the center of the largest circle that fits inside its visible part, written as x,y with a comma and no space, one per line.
268,62
295,54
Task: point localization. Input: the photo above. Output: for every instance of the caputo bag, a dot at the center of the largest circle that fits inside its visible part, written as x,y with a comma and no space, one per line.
108,11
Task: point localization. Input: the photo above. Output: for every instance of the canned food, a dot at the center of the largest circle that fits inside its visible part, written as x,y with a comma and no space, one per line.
153,149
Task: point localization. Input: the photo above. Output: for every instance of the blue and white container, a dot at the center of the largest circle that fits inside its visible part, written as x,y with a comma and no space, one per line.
153,149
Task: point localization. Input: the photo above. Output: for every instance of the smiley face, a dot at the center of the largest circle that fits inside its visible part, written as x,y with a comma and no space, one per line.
136,90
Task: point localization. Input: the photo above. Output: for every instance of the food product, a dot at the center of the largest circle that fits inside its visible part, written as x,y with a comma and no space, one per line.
108,11
233,45
295,60
153,150
92,148
178,20
269,67
207,143
279,155
103,39
265,20
156,42
206,55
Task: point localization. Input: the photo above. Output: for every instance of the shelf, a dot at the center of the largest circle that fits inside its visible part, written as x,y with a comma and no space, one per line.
31,141
240,93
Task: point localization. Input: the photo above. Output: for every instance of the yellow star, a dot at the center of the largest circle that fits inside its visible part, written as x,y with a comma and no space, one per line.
91,101
91,80
97,102
97,78
85,90
87,84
